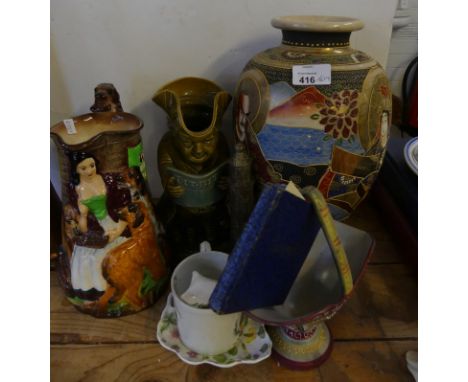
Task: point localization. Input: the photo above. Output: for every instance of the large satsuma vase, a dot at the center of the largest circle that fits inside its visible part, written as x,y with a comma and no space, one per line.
315,111
112,260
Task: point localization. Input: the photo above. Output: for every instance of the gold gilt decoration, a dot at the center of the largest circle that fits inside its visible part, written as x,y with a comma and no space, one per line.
332,237
315,45
300,349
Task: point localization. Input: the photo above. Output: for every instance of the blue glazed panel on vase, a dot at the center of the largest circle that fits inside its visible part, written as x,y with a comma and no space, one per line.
300,146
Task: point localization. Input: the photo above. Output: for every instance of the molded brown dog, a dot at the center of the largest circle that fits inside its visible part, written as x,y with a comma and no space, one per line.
106,98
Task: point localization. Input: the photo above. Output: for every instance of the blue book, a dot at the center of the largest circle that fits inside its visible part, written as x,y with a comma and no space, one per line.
269,254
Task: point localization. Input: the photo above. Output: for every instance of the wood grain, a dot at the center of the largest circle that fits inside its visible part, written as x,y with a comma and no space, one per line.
350,361
383,306
367,218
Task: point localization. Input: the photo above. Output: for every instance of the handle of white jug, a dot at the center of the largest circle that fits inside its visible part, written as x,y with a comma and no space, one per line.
205,246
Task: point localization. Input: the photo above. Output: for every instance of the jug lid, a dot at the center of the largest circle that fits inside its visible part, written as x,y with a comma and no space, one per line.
85,127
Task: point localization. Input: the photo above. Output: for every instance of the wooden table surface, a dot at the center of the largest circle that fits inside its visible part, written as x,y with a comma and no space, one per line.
372,332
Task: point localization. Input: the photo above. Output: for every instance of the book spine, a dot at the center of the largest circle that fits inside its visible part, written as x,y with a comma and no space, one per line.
239,257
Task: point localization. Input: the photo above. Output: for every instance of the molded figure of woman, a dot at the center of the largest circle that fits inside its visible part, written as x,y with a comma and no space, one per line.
113,257
91,191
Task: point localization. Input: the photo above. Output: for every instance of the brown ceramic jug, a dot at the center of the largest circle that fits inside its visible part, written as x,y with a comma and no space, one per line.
112,260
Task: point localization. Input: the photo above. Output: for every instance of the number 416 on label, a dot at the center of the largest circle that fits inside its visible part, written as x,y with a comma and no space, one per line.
319,74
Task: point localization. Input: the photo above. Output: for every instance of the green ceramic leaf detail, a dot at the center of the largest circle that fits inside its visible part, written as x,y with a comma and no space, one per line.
117,308
326,137
264,348
149,284
220,358
164,326
76,300
134,155
171,318
167,321
233,351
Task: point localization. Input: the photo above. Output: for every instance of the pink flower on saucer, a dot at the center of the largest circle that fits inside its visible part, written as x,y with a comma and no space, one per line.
175,333
192,354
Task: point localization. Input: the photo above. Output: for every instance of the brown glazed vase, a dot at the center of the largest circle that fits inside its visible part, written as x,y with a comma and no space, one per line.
327,127
112,261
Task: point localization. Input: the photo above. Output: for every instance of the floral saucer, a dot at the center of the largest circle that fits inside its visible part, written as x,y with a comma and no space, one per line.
253,345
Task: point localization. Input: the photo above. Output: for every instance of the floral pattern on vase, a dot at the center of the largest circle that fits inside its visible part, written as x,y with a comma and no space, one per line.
330,136
339,115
